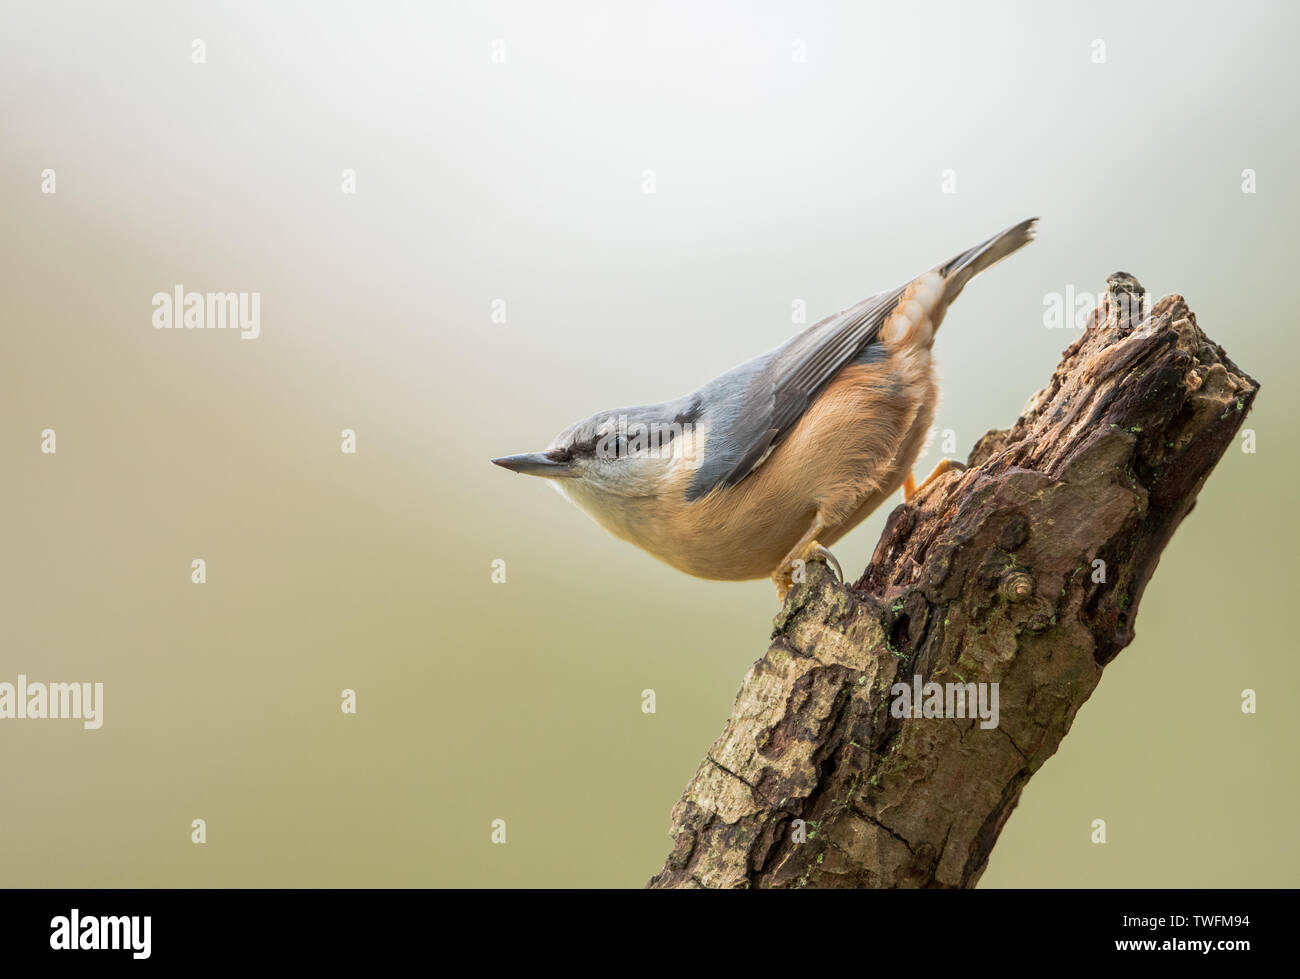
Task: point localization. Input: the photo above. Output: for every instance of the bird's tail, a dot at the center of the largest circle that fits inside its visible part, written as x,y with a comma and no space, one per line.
960,270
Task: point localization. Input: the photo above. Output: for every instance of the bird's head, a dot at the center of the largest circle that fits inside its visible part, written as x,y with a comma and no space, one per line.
630,452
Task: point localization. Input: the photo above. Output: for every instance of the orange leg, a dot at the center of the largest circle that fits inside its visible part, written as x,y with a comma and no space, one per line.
910,489
808,549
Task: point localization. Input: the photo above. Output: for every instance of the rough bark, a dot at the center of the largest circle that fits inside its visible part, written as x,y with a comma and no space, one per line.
989,576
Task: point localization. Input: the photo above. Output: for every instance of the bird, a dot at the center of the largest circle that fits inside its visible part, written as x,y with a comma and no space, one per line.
760,470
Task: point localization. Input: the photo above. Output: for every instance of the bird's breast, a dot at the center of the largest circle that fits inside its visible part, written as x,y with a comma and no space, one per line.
856,442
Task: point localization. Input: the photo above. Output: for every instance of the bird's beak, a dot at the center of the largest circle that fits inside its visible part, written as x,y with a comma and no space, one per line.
535,464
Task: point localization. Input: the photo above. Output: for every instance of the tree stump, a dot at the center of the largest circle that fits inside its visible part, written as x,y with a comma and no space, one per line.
1026,570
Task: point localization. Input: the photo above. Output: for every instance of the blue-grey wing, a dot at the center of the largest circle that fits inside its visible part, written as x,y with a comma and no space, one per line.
754,406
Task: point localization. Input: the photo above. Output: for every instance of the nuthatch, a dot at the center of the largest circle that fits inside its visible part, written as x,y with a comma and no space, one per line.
759,468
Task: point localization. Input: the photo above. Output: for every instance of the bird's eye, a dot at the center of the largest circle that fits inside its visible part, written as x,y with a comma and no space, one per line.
610,445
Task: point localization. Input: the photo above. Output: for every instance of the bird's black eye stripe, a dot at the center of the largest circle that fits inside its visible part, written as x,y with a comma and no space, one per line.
576,450
609,445
616,444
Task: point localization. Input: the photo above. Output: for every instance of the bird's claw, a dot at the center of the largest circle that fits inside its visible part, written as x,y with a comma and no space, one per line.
830,559
812,552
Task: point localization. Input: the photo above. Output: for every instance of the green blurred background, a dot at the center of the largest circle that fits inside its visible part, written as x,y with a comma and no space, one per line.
521,180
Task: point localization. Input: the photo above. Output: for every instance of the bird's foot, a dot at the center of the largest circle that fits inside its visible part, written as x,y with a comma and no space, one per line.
792,572
910,489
